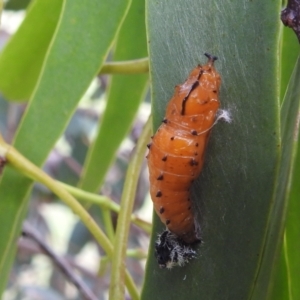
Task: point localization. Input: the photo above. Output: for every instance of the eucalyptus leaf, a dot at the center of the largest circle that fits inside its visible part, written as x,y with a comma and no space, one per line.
22,58
287,200
289,55
235,192
125,95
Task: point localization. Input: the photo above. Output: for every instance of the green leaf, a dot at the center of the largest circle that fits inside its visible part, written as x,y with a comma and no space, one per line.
22,58
280,289
287,196
234,195
124,98
292,233
82,40
289,55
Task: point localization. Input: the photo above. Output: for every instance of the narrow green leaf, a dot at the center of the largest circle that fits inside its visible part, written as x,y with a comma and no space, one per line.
289,55
280,289
234,194
287,196
124,98
22,58
292,233
286,274
82,40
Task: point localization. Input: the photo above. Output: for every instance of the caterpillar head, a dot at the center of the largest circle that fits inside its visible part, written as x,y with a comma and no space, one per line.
210,78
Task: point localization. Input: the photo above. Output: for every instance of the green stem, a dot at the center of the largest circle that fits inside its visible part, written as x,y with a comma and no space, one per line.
108,225
104,202
136,253
117,287
135,66
29,169
133,253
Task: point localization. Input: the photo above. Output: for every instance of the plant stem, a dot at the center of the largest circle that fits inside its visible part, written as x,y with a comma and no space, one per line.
135,66
104,202
23,165
108,224
117,287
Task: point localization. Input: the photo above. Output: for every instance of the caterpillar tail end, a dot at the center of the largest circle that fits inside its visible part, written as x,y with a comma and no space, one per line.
171,251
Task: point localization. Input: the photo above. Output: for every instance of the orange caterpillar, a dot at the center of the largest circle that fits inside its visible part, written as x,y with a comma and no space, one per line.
176,154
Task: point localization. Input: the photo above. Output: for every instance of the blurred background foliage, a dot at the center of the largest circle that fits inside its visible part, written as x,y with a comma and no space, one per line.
33,276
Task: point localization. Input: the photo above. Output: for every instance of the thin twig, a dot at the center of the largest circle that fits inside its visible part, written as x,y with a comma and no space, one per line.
30,232
32,248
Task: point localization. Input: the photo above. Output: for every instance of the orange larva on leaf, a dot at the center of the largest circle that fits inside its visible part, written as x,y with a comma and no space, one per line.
177,149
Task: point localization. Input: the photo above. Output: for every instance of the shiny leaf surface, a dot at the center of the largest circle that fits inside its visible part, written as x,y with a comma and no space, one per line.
235,192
